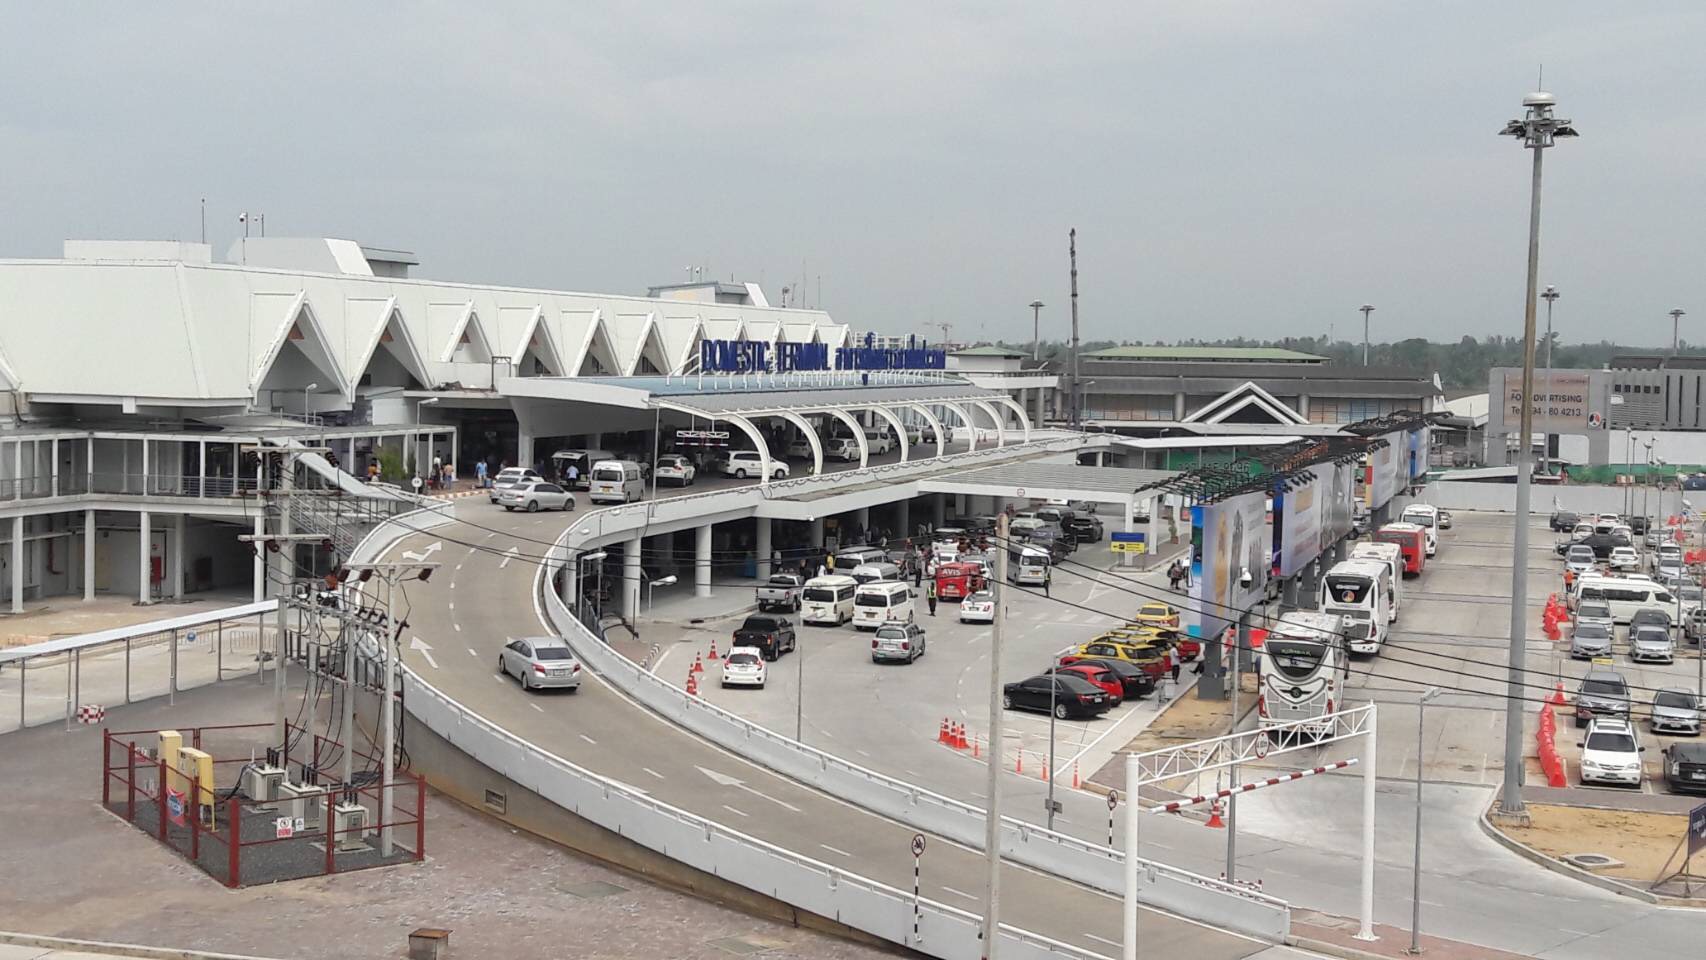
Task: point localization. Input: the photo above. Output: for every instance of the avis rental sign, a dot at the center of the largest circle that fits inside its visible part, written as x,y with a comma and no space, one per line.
1569,401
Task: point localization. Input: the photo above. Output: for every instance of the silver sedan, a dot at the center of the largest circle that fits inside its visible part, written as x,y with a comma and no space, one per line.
535,495
1675,710
541,663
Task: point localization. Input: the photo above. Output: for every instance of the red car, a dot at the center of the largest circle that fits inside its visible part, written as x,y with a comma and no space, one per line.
1109,682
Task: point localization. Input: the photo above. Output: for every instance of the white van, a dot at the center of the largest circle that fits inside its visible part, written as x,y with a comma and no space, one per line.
582,460
616,481
1030,567
878,440
880,602
847,558
1624,595
1426,516
872,572
828,600
1393,556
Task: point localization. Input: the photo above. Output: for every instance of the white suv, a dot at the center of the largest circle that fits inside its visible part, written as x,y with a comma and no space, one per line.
1611,753
748,463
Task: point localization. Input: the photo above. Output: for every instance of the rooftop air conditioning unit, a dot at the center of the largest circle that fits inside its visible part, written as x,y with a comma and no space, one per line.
261,782
304,802
353,825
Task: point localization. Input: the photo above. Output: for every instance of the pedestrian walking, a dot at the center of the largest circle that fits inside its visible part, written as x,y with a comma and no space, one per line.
917,574
1048,578
480,474
930,596
829,561
1175,573
821,571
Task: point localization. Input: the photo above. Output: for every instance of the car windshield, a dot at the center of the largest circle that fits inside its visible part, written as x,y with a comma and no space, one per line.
1649,634
1604,688
871,600
1611,742
551,653
1674,698
1594,610
1592,631
1581,553
742,659
980,598
891,633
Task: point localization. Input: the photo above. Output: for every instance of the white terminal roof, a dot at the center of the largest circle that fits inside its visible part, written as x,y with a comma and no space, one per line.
190,332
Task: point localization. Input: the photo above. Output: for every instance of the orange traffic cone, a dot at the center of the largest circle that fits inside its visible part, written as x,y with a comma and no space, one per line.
1214,816
692,685
698,664
960,736
942,734
1019,762
1045,771
1558,695
975,752
713,654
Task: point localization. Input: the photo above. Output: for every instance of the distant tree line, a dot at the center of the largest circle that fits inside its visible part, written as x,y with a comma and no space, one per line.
1460,365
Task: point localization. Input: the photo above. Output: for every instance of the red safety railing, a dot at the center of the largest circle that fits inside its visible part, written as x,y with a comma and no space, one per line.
237,839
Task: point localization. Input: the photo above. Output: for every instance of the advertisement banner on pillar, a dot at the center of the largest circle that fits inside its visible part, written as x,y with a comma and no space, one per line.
1228,538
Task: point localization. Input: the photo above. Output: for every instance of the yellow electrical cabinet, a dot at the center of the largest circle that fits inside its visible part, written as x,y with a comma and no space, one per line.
171,745
196,766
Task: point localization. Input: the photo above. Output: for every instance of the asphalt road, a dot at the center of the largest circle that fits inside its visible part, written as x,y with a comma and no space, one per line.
480,599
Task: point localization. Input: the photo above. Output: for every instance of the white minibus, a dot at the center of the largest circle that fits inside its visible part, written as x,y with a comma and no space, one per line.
828,600
880,602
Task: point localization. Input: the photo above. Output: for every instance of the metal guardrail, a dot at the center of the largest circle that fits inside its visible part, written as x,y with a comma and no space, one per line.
125,484
47,682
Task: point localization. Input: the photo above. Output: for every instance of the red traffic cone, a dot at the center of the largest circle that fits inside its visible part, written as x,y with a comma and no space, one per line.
698,665
1558,695
713,653
959,736
1076,783
942,734
1019,762
1045,771
1214,816
975,752
692,685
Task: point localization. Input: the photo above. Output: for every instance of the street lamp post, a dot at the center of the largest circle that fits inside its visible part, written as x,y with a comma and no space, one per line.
1551,297
1416,895
311,386
1036,329
1537,130
1676,330
1366,309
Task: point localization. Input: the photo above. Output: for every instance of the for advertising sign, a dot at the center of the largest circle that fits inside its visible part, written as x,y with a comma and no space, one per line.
1227,538
1383,470
1571,401
1309,519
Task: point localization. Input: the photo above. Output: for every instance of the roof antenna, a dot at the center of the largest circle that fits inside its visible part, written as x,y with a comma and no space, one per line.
1541,83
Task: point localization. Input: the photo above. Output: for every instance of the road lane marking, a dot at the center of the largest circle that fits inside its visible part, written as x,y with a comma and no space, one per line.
459,566
537,707
733,810
453,584
431,549
419,646
652,772
472,652
510,554
458,627
589,739
498,677
968,896
453,606
725,780
836,850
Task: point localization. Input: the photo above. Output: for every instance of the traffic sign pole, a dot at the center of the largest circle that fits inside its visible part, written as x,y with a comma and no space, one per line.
917,858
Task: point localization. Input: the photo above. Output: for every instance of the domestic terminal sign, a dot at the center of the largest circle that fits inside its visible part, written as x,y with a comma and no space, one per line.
757,356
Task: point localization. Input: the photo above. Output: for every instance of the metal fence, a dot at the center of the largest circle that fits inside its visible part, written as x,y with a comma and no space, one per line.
48,682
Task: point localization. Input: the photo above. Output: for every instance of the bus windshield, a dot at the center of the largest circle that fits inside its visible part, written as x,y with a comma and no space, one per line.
1349,589
1296,659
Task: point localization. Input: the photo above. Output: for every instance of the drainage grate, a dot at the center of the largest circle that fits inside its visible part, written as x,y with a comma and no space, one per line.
1592,861
496,801
748,944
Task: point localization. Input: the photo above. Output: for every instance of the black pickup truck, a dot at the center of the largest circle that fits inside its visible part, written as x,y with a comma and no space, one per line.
772,635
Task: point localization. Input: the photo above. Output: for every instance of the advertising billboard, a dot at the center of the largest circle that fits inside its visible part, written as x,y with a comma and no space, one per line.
1418,453
1575,402
1385,466
1309,519
1227,538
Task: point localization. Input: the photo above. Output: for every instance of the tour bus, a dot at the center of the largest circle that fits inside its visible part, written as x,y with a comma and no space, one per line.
1412,542
828,600
1391,555
1356,590
1426,516
956,581
1624,595
1304,670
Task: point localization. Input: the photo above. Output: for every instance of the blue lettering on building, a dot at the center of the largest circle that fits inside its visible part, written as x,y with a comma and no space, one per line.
746,356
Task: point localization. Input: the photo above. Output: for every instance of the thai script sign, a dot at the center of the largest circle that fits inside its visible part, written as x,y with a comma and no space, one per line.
757,356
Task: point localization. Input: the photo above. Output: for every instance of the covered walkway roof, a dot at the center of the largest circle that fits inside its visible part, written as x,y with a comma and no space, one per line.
1044,481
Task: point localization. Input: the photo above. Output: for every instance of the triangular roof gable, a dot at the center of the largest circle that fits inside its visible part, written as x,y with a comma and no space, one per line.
296,323
627,332
763,330
798,331
472,330
598,350
389,329
680,340
536,338
1244,395
8,376
724,328
577,332
652,349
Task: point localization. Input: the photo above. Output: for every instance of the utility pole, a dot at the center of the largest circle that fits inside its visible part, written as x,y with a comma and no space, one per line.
1676,330
992,827
1036,329
1072,375
1537,130
1366,309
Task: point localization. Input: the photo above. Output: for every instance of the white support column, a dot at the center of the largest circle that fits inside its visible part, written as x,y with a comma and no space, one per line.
145,570
88,555
89,465
1366,930
862,517
1131,527
631,577
571,573
524,448
817,543
17,469
702,561
144,489
201,472
938,509
18,564
763,547
260,558
53,467
175,554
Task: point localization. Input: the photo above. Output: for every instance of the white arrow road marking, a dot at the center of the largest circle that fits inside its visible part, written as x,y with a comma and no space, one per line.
416,643
589,739
728,781
473,653
652,772
431,549
509,555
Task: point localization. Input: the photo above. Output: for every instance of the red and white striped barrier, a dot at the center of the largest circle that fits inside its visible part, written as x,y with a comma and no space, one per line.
1178,805
91,713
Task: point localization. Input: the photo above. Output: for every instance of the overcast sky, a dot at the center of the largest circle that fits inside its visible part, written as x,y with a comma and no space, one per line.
1256,169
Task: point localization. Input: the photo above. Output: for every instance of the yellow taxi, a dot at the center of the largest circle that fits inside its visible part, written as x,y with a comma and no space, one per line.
1158,614
1152,659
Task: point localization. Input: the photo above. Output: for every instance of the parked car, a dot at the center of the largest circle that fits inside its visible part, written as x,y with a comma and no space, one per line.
536,495
1597,612
1134,681
1685,767
1625,558
1694,625
780,592
540,663
1084,529
1675,710
1108,681
1445,519
978,608
1150,658
1158,615
770,634
1070,696
1564,521
509,477
1641,525
676,469
1651,644
1581,559
1611,753
1589,640
897,641
1653,538
1649,617
1602,693
748,463
798,449
744,667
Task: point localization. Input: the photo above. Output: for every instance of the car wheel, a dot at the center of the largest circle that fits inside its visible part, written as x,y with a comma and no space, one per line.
532,506
778,475
526,684
501,668
1060,711
740,474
